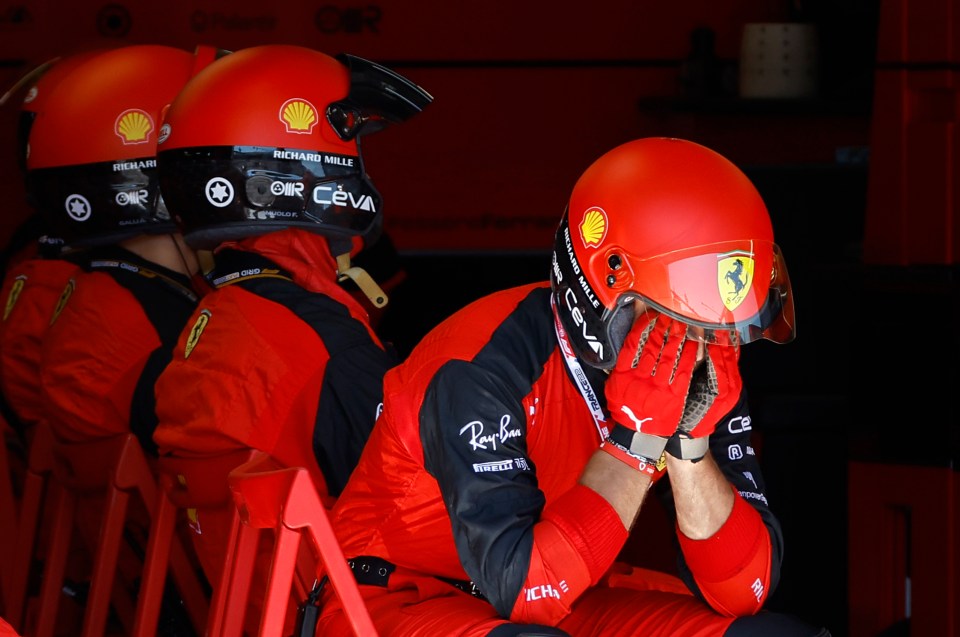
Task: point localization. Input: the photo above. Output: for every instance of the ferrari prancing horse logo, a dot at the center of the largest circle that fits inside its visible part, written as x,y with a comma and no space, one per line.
62,301
195,332
734,277
15,291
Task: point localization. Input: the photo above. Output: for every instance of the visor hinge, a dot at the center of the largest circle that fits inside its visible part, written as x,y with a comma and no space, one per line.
363,280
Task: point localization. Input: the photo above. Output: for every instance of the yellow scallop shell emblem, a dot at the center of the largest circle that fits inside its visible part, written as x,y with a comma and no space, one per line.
298,115
134,126
593,228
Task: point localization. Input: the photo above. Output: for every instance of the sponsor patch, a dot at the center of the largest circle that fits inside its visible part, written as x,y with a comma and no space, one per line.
298,116
196,332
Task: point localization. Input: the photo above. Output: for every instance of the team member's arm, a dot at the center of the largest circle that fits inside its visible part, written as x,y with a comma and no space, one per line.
351,391
731,541
728,547
531,563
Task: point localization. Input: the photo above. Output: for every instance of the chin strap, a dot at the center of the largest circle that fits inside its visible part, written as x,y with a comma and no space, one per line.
363,280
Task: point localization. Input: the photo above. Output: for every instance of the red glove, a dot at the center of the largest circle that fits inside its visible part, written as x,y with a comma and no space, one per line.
647,389
714,391
715,388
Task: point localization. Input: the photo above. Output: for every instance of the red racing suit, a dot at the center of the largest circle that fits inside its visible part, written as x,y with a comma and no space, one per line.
471,473
31,290
109,342
6,630
111,334
278,358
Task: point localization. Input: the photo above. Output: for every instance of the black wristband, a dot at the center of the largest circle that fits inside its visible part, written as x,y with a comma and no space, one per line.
639,444
622,436
686,448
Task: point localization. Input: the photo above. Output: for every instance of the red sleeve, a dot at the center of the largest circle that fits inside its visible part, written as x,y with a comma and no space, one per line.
6,630
732,567
574,543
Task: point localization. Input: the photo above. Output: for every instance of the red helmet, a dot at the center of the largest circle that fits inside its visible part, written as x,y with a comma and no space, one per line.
39,84
680,228
267,138
91,158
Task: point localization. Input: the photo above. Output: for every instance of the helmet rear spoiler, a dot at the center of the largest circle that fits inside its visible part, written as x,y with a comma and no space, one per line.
378,97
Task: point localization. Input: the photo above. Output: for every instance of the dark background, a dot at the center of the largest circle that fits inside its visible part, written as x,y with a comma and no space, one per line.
858,178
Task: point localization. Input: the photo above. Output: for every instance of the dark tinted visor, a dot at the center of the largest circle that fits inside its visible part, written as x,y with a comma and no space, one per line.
101,202
222,184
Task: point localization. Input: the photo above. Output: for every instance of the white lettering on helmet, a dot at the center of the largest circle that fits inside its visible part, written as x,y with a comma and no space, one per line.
287,189
326,195
576,269
297,155
581,322
570,254
134,165
134,197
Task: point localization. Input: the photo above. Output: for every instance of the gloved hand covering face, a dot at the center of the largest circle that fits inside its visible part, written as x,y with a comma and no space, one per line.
647,389
715,387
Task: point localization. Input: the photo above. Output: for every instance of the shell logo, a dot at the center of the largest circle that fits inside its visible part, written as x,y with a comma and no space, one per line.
134,126
298,115
593,228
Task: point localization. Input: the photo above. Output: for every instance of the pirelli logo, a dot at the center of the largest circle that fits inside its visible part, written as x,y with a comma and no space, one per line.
487,467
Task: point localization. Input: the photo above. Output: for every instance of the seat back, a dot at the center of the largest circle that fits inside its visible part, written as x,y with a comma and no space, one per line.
286,500
9,512
34,499
197,486
102,476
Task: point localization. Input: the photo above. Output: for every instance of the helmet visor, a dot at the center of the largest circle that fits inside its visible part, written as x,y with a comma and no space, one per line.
98,203
716,288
